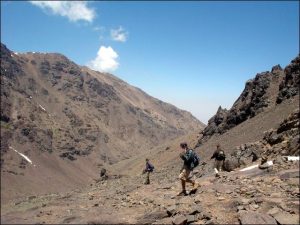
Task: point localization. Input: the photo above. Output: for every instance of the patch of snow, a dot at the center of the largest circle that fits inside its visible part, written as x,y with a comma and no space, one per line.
21,154
292,158
16,53
42,108
270,163
33,52
249,168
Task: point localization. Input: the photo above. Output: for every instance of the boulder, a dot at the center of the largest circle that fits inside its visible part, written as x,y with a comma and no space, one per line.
265,166
250,217
231,164
190,218
273,211
171,210
167,220
196,209
180,220
152,217
206,215
286,218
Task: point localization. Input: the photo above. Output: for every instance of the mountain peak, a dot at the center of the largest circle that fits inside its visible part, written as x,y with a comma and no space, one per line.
261,93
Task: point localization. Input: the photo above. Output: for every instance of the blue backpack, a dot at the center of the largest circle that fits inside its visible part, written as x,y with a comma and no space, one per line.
195,159
151,167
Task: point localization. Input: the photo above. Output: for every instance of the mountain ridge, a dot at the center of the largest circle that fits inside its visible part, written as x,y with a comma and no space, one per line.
266,90
53,109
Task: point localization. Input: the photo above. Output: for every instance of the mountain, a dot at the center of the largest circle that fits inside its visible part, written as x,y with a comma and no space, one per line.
264,120
72,121
265,92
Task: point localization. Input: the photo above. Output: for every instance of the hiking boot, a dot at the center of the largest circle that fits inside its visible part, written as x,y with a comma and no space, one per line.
195,186
182,193
194,189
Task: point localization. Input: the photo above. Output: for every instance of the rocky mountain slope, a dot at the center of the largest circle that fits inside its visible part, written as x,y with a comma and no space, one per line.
264,121
70,121
264,92
252,197
257,196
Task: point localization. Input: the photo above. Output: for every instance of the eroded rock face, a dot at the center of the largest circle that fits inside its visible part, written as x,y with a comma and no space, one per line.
290,85
216,123
285,139
10,71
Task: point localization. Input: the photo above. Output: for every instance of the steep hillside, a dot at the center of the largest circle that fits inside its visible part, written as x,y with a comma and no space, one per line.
73,120
264,92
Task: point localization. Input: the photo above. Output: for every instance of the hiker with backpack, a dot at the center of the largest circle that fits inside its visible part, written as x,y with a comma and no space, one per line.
149,169
219,156
190,161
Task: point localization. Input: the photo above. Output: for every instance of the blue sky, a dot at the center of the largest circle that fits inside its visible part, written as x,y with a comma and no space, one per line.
196,55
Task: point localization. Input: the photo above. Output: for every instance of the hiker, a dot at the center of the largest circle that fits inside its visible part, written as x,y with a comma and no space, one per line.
219,156
190,161
263,163
149,169
254,156
103,174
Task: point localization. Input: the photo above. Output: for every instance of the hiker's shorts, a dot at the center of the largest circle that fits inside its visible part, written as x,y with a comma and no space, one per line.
185,174
219,164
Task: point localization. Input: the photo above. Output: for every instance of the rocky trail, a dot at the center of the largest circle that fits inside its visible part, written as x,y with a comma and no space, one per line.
248,197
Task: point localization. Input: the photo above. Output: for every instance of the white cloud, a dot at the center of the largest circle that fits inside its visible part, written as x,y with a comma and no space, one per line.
105,61
99,28
119,34
73,10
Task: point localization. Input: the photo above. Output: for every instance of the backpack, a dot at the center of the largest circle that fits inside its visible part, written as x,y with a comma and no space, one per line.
150,168
221,154
195,160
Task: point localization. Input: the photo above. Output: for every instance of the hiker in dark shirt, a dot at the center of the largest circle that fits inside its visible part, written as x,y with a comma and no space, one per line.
149,169
254,156
184,176
219,156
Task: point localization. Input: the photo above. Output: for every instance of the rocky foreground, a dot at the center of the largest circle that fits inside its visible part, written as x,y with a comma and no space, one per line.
256,196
